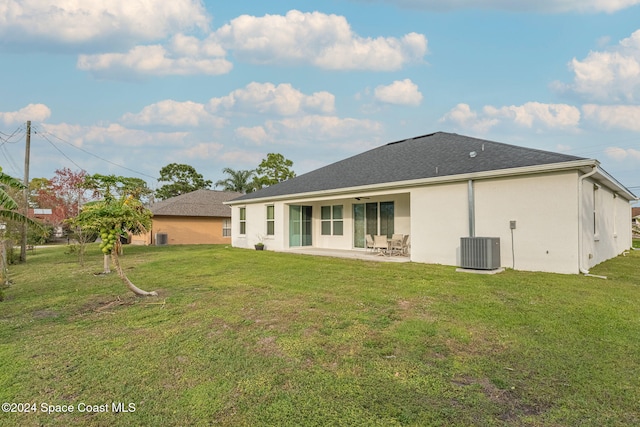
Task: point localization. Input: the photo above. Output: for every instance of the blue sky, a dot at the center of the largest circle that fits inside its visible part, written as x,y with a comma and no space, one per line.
128,86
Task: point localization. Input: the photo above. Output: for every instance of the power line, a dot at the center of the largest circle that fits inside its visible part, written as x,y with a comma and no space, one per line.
61,152
598,148
9,159
43,135
7,137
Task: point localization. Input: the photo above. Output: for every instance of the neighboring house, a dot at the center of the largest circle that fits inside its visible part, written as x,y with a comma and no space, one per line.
568,213
52,217
635,220
199,217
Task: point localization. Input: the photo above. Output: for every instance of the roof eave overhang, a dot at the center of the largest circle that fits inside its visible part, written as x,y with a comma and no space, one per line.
607,180
584,166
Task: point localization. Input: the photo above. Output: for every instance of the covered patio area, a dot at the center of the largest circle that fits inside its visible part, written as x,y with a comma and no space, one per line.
344,253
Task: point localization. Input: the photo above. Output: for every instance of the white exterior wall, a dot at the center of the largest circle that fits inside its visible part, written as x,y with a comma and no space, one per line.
256,223
439,217
545,208
612,232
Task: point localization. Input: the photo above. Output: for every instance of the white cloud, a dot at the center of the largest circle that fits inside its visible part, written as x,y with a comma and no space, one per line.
539,114
325,127
545,6
184,56
113,135
529,115
255,134
611,75
126,38
35,112
312,128
241,156
400,92
621,154
120,22
120,135
614,116
325,41
201,151
267,98
462,116
173,113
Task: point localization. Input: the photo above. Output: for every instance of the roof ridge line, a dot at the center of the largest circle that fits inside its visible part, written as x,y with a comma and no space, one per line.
415,137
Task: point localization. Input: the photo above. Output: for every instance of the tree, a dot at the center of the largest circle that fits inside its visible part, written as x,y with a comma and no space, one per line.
114,217
106,186
272,170
237,180
8,211
66,186
63,194
182,179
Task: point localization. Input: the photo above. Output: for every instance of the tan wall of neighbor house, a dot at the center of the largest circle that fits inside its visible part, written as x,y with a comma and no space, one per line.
141,239
189,230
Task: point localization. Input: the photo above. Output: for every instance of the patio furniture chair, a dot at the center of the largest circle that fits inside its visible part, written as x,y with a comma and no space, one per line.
370,243
395,244
405,245
381,244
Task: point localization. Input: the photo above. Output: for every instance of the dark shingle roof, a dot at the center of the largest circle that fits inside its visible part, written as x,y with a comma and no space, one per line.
197,203
434,155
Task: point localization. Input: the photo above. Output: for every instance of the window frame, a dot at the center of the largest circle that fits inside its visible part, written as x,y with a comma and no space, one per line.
596,211
226,227
243,220
329,219
271,222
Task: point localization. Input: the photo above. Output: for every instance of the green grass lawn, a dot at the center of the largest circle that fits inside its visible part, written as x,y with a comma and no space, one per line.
248,338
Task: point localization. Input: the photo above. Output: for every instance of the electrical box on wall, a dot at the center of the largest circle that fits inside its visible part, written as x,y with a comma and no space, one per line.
512,225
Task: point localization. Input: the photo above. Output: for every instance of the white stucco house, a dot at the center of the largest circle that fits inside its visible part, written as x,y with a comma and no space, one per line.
551,212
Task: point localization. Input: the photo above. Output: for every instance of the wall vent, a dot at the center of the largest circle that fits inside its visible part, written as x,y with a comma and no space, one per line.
162,239
480,253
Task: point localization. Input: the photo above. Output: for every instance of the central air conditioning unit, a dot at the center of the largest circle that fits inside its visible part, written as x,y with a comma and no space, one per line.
480,253
162,239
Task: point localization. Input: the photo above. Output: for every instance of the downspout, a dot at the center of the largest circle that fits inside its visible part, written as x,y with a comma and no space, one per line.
580,234
472,210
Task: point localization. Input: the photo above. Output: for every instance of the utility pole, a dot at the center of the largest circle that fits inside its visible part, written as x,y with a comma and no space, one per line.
23,248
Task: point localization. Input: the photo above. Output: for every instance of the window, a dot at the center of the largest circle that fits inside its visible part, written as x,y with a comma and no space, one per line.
331,218
270,220
243,220
337,220
368,216
325,215
596,233
386,218
615,215
226,228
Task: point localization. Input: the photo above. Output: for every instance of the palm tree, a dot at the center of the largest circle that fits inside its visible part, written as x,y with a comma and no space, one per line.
8,212
237,180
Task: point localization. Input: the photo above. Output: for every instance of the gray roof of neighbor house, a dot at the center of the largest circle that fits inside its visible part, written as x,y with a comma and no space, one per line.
197,203
435,155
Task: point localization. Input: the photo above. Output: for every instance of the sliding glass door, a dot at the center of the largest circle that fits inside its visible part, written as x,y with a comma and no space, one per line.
300,231
387,216
372,218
